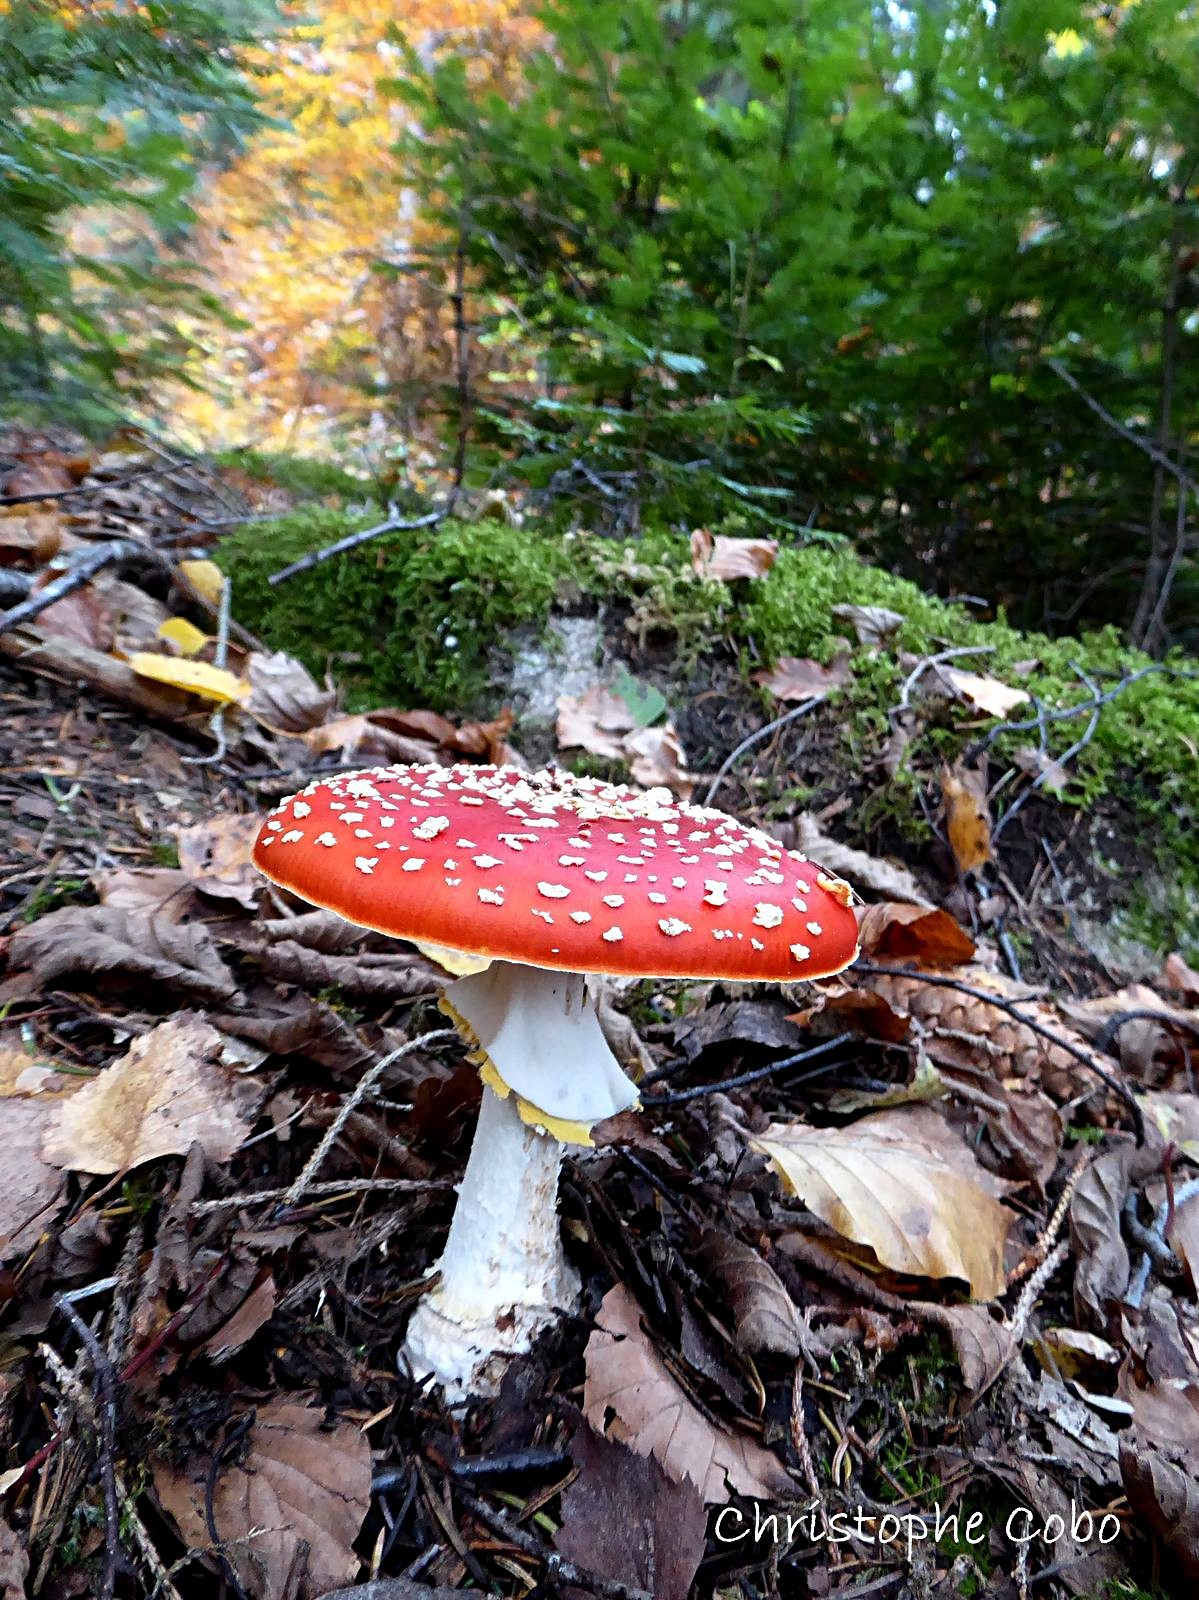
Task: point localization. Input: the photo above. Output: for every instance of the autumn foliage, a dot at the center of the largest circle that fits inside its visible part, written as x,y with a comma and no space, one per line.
308,231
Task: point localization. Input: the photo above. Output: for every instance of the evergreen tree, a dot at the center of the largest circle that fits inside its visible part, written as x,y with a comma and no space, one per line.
105,112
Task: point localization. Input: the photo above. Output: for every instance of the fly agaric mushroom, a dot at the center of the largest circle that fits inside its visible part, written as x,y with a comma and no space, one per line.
543,878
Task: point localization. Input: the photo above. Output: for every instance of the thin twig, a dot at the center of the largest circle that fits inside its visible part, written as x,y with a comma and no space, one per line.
1155,455
558,1569
1010,1008
775,1067
352,540
921,667
88,488
1144,1014
1066,756
201,1208
80,572
107,1382
751,739
1136,1288
351,1103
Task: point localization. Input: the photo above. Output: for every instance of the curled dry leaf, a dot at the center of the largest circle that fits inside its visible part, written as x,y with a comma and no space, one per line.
283,695
872,624
368,733
596,721
288,1510
657,760
164,893
904,1184
623,1518
368,972
764,1315
1101,1273
102,941
984,694
799,678
725,559
168,1092
653,1415
1159,1462
967,816
982,1345
895,932
1146,1044
215,856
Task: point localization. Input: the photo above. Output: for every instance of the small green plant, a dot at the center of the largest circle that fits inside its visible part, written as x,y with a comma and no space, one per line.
60,892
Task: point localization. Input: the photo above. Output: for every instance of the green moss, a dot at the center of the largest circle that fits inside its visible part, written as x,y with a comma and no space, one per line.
410,618
302,477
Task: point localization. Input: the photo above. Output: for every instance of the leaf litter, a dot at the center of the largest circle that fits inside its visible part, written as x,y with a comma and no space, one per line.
974,1288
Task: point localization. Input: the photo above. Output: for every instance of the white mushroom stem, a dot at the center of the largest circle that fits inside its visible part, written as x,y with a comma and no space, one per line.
503,1274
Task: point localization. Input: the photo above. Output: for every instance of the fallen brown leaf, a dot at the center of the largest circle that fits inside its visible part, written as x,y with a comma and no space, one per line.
657,760
288,1509
1101,1273
32,540
764,1315
165,1094
799,678
596,721
805,834
903,1183
983,693
982,1345
283,695
652,1414
872,624
14,1564
164,893
967,818
625,1519
367,733
1159,1461
717,556
102,941
897,932
215,856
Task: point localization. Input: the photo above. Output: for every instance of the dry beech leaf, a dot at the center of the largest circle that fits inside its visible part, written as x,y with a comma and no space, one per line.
799,678
764,1314
35,539
164,893
967,819
1101,1273
255,1311
984,694
103,941
982,1345
893,1181
653,1415
898,932
893,882
82,617
302,1490
366,733
1179,978
725,559
30,1187
657,760
872,624
283,696
368,972
168,1092
596,721
623,1518
1159,1462
14,1564
215,856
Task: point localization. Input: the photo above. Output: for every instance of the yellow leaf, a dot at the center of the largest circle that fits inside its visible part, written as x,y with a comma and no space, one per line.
903,1184
966,817
206,578
184,635
1069,42
455,961
197,677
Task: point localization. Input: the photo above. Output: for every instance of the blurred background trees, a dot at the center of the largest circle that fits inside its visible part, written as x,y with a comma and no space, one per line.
924,277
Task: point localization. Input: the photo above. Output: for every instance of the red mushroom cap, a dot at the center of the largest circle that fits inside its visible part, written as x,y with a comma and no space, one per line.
557,871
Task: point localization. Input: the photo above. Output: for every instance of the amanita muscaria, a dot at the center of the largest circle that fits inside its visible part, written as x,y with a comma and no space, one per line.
546,879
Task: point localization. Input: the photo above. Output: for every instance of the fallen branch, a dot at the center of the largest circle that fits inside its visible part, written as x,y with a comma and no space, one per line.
82,570
352,540
54,656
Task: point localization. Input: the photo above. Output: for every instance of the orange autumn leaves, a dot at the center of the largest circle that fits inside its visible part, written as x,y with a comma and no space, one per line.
291,232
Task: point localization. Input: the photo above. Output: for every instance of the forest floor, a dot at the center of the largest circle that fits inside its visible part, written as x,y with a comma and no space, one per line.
910,1256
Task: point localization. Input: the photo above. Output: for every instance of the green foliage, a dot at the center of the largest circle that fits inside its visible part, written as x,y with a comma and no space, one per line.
817,263
410,618
104,112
